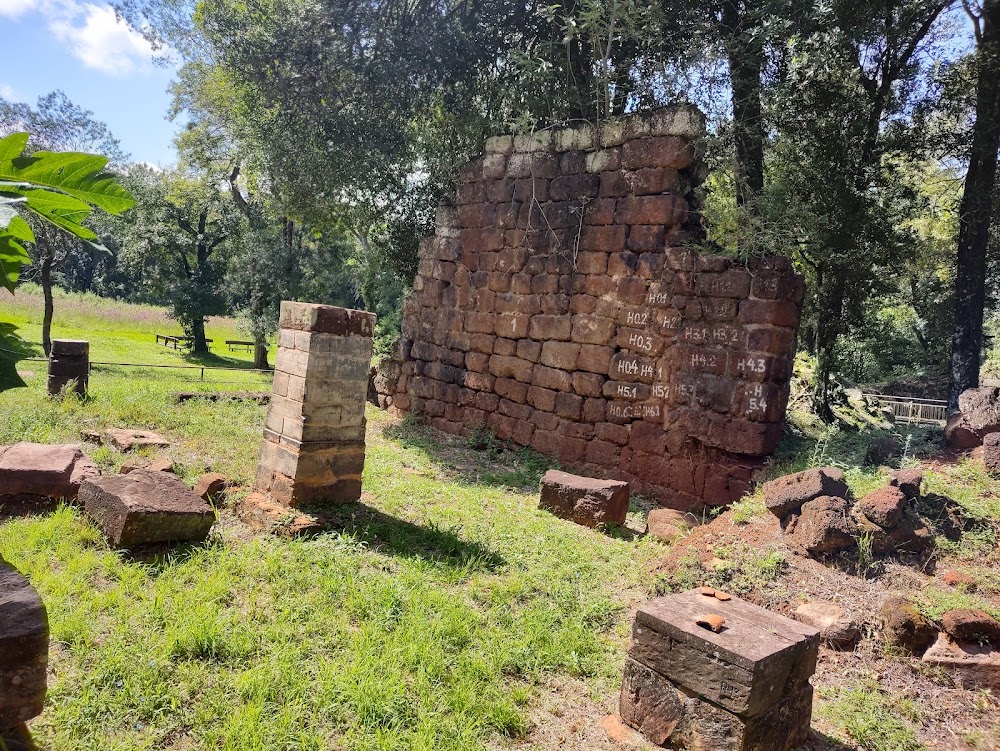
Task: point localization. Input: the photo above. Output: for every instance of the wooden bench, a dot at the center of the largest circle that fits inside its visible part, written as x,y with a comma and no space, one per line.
176,341
237,344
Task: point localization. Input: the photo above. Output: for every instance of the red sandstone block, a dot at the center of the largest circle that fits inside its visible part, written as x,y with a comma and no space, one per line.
480,323
594,409
325,319
512,325
545,420
623,264
617,434
774,285
513,390
555,305
499,281
648,437
507,216
542,398
760,402
548,327
589,262
600,211
477,214
530,350
743,436
594,358
506,347
569,450
598,285
734,283
772,312
527,189
588,384
633,392
695,359
515,410
511,367
474,192
638,340
651,265
773,340
719,309
569,406
574,187
509,302
482,343
562,355
605,239
501,425
545,284
635,316
582,303
592,330
500,191
551,378
575,429
484,401
630,367
603,453
512,259
658,151
573,162
487,262
646,237
614,185
584,500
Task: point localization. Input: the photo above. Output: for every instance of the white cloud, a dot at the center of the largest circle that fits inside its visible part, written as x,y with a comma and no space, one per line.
16,8
90,32
100,41
7,92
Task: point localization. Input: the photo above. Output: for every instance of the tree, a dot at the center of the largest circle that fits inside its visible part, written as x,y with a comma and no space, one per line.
180,221
976,211
56,124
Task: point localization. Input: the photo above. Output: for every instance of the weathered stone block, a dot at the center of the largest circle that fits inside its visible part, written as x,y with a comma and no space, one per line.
145,507
24,649
44,470
583,499
786,494
756,659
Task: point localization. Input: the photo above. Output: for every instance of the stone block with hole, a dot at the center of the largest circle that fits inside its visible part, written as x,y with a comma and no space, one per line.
745,686
146,507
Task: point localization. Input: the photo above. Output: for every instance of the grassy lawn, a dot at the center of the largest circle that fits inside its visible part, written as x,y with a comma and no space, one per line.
430,619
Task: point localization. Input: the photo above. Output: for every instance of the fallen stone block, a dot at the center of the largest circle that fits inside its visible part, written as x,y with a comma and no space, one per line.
972,626
884,506
210,485
145,507
584,500
905,627
44,470
24,649
908,535
909,481
745,687
263,514
668,524
972,666
786,495
745,668
129,440
978,416
823,526
835,627
161,464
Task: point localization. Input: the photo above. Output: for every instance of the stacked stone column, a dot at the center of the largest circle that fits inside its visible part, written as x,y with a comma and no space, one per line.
314,437
69,362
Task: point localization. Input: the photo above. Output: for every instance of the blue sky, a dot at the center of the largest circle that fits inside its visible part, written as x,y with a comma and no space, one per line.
100,64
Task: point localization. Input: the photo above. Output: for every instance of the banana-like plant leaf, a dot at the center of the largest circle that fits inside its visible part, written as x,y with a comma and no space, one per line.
20,230
12,257
12,146
79,175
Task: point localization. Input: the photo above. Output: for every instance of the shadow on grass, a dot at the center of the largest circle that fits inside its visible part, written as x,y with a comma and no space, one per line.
212,360
480,459
822,742
18,739
13,349
387,534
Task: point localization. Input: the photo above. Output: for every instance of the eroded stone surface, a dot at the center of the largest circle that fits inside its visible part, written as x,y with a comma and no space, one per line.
978,416
884,506
265,515
834,625
584,500
905,627
24,649
909,481
823,526
669,524
973,666
972,626
210,485
146,507
126,439
786,495
991,453
51,471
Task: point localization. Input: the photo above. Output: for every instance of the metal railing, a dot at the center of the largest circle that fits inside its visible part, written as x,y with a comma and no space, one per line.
913,411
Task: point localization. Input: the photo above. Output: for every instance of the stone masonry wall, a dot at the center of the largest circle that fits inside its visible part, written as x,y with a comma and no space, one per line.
557,304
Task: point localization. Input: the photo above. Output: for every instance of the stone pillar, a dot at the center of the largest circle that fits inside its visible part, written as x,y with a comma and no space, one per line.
314,438
69,360
744,687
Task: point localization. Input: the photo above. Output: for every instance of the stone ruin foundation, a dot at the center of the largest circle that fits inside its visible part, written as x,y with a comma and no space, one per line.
314,437
24,651
69,363
558,303
744,687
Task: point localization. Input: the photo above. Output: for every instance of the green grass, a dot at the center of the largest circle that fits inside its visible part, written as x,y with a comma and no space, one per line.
870,717
427,619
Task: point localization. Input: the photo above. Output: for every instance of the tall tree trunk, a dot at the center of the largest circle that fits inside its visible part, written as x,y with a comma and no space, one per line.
746,58
48,260
260,356
976,213
198,344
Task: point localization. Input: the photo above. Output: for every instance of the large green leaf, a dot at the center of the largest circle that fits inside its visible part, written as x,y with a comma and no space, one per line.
12,146
12,257
79,175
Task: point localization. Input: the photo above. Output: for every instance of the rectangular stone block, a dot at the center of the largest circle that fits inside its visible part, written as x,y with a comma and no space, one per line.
328,319
746,668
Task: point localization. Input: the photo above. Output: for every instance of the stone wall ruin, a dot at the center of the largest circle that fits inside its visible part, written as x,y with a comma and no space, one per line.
558,304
